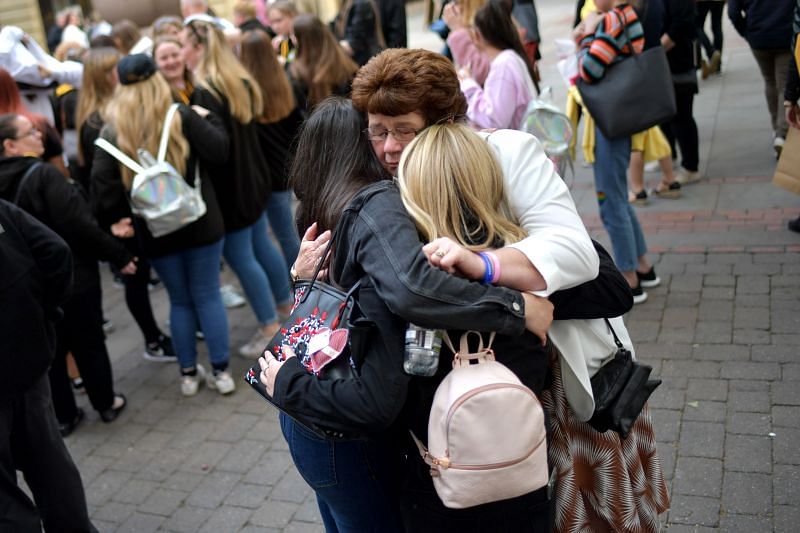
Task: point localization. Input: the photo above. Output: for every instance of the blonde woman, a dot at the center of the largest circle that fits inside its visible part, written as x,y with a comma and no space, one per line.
97,88
242,182
168,56
458,204
187,260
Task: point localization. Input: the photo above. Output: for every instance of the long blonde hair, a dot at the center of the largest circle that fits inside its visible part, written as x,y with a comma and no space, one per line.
452,186
96,86
221,72
137,117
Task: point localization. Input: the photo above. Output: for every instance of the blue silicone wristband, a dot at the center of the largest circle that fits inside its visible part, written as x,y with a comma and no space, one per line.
489,272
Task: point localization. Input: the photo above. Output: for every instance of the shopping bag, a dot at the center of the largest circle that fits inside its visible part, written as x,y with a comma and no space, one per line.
787,174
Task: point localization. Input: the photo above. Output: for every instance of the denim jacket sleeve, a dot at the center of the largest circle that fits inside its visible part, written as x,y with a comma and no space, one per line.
382,242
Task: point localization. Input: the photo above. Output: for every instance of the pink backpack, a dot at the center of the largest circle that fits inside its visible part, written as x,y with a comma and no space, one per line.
486,432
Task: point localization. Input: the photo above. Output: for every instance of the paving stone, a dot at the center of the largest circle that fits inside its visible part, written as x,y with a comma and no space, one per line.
188,519
695,476
785,416
785,393
748,453
686,283
666,423
667,455
713,332
213,489
707,389
644,331
746,493
694,510
270,469
752,300
141,523
752,284
667,398
710,269
747,401
275,514
183,481
758,269
255,529
744,370
248,495
715,310
164,502
706,411
718,293
680,528
243,456
105,486
650,351
744,524
751,318
786,484
303,527
790,372
697,369
786,339
749,423
719,280
683,299
114,512
205,456
226,518
135,491
308,511
720,352
784,446
786,517
161,465
751,336
235,428
747,385
702,439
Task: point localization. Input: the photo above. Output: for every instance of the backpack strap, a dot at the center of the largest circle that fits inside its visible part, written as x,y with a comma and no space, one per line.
463,355
119,155
34,166
162,146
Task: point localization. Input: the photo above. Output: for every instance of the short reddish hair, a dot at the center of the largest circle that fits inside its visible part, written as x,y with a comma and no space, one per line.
399,81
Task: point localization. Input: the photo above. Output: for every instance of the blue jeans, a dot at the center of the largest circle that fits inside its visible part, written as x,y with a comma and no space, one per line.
281,220
611,157
191,278
356,481
260,268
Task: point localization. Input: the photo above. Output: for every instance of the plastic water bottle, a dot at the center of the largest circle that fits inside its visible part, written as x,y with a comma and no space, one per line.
422,351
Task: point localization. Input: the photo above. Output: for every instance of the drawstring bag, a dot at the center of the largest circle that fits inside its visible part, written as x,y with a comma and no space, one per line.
486,433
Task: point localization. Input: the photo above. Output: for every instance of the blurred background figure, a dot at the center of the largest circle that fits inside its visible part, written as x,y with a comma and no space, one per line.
713,49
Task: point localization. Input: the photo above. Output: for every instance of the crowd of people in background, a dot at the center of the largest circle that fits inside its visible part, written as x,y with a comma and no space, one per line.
314,102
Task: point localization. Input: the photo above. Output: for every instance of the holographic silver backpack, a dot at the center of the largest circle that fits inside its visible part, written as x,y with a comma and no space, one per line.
159,194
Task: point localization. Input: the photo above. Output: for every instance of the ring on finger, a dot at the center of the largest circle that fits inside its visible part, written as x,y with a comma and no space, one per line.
440,253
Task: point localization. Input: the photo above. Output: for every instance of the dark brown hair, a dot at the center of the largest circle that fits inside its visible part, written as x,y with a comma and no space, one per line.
258,57
319,60
399,81
333,161
125,34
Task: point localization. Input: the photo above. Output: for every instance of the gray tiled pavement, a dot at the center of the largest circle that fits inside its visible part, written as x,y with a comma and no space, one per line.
722,331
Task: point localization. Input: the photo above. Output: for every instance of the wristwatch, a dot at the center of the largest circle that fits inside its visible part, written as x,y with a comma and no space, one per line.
787,104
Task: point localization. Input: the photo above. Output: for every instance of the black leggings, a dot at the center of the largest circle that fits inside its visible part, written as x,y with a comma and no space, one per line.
683,128
704,7
137,296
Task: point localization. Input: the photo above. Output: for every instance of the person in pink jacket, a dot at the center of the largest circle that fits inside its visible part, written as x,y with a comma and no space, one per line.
459,15
509,86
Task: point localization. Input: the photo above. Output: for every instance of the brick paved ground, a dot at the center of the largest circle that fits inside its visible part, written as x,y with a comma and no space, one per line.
722,331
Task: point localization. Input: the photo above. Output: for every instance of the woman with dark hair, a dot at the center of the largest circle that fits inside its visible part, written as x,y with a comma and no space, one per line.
342,186
278,124
509,86
358,27
320,67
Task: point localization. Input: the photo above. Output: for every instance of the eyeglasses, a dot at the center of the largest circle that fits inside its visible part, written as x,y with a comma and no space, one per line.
400,134
31,132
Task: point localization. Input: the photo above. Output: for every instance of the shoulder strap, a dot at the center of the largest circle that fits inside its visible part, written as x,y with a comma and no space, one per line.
34,166
119,155
162,146
614,333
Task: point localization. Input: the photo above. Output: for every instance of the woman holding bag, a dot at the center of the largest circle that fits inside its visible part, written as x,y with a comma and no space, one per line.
602,38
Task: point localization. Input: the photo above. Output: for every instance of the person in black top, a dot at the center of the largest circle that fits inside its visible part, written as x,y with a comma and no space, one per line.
393,22
358,28
35,279
278,126
39,189
187,260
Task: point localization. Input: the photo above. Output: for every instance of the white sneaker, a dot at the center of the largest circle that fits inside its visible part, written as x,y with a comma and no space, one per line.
777,144
652,166
222,382
231,298
684,177
255,347
191,384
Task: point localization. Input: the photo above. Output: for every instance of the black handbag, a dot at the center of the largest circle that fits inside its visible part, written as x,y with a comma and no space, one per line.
328,334
620,389
635,94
